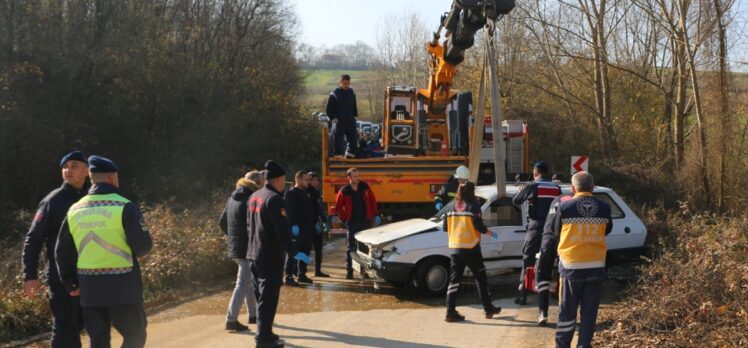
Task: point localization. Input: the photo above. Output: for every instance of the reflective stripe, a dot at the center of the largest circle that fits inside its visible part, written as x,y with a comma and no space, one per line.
544,288
460,213
566,323
566,329
583,265
545,282
93,237
452,286
450,291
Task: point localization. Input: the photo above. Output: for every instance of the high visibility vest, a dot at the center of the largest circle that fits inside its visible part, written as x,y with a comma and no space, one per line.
461,230
96,226
582,239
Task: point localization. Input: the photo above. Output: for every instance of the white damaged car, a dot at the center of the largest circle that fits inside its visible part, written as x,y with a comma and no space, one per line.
415,251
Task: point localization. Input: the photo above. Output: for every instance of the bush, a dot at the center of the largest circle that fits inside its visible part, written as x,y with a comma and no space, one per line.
693,294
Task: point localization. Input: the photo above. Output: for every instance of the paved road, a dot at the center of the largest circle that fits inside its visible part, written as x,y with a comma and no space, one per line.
335,312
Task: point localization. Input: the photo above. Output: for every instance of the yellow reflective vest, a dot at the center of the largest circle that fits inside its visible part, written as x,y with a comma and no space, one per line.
584,224
461,228
95,224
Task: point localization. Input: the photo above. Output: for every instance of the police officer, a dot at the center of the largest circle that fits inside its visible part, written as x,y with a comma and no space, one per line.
96,253
67,319
320,224
300,211
539,195
578,233
343,112
269,241
464,226
447,192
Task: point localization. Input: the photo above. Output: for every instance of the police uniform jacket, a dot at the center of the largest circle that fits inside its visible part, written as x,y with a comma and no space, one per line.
578,230
464,226
45,229
106,289
269,231
233,220
539,196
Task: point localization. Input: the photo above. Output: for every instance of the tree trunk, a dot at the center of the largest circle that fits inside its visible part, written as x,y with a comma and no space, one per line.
724,107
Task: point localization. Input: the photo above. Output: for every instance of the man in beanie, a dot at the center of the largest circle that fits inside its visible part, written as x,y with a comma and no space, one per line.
67,319
97,250
539,195
269,241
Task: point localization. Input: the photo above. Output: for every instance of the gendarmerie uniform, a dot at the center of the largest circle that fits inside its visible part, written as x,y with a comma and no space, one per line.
97,250
67,319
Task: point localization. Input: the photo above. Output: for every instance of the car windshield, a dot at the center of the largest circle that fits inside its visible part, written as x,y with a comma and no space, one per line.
440,215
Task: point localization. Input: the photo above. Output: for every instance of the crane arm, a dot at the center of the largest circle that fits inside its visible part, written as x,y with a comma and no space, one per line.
461,23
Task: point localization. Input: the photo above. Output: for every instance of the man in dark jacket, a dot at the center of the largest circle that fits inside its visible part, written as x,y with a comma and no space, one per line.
100,240
356,207
233,223
300,211
320,223
269,241
539,195
342,110
67,319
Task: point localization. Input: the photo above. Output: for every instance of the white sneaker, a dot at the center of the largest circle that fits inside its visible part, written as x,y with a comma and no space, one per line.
542,319
349,155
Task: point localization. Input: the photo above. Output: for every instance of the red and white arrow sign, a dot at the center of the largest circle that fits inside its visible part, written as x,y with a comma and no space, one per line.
579,164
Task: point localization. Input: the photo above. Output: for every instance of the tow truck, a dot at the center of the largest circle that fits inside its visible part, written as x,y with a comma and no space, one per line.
427,132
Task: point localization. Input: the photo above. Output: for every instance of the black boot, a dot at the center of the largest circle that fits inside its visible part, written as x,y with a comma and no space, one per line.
522,298
236,326
453,316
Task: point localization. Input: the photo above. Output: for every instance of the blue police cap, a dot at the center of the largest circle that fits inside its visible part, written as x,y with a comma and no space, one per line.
73,156
98,164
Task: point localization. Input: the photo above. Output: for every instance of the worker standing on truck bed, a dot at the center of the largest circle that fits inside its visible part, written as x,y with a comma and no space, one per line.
578,229
448,190
539,195
343,112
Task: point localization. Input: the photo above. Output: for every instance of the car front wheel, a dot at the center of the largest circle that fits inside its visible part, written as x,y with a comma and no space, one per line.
433,276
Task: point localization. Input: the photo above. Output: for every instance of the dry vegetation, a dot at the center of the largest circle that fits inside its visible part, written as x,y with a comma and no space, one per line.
693,294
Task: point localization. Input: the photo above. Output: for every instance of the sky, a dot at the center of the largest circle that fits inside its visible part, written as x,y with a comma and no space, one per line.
332,22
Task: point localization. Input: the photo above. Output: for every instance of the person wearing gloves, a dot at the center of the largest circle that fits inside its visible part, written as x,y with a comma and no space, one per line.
448,190
300,211
464,226
269,242
357,208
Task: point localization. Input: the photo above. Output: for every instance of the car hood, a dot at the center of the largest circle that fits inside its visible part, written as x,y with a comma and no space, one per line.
394,231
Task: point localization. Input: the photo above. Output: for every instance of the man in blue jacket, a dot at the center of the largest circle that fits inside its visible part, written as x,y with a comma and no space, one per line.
343,112
67,319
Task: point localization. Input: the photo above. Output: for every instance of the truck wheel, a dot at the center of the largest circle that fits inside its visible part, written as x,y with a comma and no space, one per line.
433,276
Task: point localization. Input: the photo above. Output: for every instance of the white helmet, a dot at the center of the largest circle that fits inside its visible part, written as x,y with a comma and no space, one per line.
462,172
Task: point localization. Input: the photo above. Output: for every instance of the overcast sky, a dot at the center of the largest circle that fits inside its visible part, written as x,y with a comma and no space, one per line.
332,22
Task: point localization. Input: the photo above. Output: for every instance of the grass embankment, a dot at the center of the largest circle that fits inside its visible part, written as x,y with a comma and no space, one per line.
694,293
188,250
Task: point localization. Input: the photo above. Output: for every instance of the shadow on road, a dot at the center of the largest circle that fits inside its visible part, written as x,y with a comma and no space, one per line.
361,341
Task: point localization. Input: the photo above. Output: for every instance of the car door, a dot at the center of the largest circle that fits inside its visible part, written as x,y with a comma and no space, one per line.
502,217
628,230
